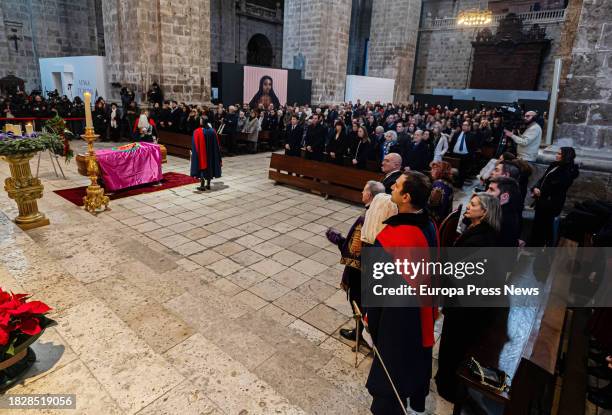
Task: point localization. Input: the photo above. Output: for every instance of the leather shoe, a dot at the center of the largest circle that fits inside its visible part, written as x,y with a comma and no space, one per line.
348,334
601,372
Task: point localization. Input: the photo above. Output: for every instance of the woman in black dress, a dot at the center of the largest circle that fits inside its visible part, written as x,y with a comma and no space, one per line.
549,193
360,156
337,144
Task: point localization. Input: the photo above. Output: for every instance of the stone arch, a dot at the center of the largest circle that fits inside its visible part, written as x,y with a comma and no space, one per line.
260,51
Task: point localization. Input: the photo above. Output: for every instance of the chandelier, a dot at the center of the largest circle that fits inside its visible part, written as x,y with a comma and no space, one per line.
474,17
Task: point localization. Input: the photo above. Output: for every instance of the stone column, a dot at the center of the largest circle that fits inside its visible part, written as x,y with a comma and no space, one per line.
585,104
315,39
393,40
167,41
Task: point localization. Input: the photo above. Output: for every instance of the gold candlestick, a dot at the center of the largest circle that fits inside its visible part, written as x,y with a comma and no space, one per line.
95,198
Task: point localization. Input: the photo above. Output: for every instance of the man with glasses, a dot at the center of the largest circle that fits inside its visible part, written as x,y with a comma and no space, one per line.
528,143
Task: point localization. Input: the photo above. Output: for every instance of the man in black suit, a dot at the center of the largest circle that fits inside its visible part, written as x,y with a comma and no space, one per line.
391,166
463,146
315,138
293,137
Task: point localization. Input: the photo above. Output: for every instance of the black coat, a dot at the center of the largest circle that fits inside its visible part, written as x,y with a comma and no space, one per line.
416,156
469,331
293,137
553,187
471,142
315,138
337,146
361,154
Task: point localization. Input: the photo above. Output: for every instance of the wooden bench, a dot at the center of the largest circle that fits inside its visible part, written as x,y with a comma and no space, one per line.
330,179
177,144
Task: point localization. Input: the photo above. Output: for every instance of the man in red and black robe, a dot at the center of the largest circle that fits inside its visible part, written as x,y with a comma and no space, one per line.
404,336
205,156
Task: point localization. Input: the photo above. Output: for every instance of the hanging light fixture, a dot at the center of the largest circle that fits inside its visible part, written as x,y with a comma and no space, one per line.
474,17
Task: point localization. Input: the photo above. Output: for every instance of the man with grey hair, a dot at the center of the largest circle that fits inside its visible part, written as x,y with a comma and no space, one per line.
528,143
350,253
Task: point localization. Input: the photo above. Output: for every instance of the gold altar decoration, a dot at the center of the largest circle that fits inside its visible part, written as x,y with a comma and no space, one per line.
95,198
24,189
474,17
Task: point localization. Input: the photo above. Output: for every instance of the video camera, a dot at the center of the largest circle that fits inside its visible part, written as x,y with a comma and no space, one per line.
512,116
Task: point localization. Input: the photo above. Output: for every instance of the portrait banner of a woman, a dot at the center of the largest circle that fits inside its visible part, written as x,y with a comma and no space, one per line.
265,86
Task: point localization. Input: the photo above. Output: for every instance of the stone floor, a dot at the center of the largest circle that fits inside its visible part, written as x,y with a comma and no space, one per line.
225,302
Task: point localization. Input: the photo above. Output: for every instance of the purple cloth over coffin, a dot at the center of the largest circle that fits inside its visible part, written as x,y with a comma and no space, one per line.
123,167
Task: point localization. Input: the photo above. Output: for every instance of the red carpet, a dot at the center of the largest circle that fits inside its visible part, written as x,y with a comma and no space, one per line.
170,180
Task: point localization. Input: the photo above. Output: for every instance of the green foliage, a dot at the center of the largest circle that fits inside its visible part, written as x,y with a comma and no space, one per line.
10,146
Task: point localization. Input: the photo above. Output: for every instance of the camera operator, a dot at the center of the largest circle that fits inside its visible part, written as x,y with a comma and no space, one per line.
528,143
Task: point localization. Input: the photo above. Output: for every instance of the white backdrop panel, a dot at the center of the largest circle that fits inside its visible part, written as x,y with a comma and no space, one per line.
368,88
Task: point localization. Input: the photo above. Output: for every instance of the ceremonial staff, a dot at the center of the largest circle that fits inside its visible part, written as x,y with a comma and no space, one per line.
359,317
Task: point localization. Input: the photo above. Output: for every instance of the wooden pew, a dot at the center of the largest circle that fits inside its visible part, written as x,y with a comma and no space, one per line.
330,179
177,144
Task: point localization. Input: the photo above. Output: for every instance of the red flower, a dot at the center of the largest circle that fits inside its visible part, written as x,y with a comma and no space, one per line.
4,335
18,316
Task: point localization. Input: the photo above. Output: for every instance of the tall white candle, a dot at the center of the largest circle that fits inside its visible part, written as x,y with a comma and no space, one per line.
88,119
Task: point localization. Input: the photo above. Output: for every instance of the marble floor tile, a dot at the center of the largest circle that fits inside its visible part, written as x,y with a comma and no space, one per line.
294,303
266,249
251,300
246,278
205,365
116,357
276,314
316,290
158,327
224,267
246,257
311,333
287,257
74,378
303,248
269,289
268,267
184,399
188,248
305,388
324,318
206,258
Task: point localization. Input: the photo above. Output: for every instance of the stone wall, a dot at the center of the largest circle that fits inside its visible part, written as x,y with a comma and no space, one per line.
45,28
169,44
393,40
249,24
585,104
232,27
444,58
222,32
317,33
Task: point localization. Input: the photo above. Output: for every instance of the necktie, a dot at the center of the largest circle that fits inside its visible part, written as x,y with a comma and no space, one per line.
462,145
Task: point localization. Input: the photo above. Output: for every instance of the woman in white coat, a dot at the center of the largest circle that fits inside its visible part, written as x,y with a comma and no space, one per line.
441,147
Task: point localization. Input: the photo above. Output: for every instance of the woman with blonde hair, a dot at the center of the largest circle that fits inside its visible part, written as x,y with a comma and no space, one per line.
466,330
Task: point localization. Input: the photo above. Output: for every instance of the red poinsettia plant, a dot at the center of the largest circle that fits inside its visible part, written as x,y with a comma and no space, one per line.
20,320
